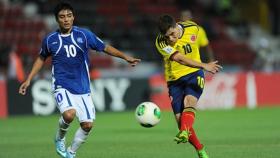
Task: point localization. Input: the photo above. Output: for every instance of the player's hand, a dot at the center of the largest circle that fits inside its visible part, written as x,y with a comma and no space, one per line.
132,61
213,67
23,87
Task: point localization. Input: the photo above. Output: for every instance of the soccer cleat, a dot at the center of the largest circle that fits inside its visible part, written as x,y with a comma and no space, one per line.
177,139
60,147
202,153
70,154
182,137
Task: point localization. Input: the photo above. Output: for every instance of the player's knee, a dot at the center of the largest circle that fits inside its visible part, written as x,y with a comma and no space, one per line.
69,116
190,101
86,126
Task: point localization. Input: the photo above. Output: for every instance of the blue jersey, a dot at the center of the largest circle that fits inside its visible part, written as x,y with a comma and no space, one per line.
70,59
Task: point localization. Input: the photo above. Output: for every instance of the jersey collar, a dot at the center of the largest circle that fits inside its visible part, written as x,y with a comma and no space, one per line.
182,28
65,35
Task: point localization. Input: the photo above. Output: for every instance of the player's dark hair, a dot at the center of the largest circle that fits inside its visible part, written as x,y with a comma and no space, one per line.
62,6
165,22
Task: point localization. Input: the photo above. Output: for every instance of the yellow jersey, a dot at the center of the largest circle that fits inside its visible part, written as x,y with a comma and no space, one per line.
202,38
186,45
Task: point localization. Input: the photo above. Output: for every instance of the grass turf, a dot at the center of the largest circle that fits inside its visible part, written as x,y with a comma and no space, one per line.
226,134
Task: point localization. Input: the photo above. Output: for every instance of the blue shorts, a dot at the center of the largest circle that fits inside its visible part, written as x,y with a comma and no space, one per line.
191,84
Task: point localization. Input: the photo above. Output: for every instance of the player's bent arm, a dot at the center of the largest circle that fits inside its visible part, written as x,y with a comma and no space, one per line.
35,69
116,53
38,64
212,67
178,57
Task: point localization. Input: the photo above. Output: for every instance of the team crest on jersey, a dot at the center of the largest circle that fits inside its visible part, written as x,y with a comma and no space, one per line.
80,40
193,38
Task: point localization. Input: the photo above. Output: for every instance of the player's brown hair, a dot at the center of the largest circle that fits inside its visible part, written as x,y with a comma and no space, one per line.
165,22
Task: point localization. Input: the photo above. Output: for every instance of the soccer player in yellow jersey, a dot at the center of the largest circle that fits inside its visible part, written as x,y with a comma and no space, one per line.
206,50
178,45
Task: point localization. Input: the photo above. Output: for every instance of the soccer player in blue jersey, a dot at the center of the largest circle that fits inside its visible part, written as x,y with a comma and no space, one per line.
68,47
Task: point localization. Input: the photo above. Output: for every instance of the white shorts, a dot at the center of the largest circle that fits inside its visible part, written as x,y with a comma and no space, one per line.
82,103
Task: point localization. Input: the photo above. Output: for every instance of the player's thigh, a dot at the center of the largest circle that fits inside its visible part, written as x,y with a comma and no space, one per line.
176,95
64,100
194,88
85,109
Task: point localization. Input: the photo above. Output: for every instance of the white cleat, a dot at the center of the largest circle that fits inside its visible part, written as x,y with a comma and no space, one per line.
60,147
70,154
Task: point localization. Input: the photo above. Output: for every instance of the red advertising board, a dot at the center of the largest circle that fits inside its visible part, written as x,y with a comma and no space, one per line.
227,90
3,99
268,88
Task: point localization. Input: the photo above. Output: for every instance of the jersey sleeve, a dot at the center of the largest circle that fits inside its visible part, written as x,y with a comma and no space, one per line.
94,42
163,48
44,51
202,37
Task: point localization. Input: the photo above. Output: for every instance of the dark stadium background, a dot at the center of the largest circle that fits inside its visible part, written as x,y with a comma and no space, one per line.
244,39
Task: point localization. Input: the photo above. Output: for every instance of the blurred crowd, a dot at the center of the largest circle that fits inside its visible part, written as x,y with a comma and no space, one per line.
242,36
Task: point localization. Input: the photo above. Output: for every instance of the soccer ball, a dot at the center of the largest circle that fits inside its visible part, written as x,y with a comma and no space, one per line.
147,114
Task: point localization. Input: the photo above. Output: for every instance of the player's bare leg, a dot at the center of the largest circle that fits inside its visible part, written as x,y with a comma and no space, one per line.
79,138
64,122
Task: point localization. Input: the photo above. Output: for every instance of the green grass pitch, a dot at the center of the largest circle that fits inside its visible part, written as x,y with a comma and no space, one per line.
238,133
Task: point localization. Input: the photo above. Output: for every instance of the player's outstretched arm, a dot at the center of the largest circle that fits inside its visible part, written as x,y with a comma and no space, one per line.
35,69
117,53
212,67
